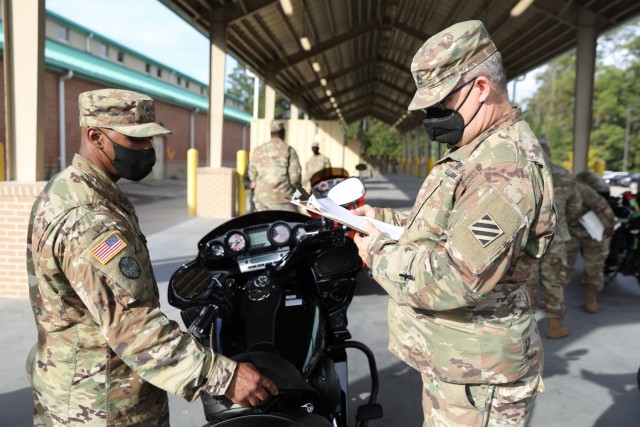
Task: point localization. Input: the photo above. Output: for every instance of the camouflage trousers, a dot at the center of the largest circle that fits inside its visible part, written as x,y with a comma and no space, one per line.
259,206
553,274
470,405
594,254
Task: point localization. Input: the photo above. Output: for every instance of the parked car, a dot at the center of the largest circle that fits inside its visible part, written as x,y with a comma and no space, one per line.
635,177
618,178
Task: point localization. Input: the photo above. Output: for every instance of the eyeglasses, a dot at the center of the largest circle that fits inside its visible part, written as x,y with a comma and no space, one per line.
437,109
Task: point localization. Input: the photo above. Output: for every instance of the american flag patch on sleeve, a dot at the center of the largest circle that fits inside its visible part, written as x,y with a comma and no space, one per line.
108,248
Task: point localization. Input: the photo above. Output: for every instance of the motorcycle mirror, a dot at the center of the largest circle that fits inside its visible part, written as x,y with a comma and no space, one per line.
361,167
347,191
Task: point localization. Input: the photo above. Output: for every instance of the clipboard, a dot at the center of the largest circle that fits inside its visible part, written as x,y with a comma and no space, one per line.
329,209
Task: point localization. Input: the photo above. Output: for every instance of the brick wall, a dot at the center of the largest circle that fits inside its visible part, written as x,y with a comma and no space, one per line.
175,118
216,192
16,200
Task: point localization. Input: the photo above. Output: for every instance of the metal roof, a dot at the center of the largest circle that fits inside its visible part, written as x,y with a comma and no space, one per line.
364,47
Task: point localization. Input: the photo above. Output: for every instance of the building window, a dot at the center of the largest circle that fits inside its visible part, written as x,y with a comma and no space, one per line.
179,81
159,72
186,84
63,33
104,50
120,56
203,90
147,68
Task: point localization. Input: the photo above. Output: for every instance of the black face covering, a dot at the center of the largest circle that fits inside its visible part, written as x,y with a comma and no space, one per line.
132,164
445,125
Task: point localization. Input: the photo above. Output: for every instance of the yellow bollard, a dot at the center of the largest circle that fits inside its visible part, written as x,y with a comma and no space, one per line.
2,162
598,166
241,167
192,179
430,162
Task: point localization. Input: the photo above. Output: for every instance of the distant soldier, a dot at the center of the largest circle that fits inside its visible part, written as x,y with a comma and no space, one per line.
552,272
594,253
316,163
274,171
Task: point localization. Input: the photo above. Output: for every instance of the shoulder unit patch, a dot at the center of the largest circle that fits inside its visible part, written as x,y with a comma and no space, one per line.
108,248
485,230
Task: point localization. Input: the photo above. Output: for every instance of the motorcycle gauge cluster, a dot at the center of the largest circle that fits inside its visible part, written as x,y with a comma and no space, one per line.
280,233
215,249
236,242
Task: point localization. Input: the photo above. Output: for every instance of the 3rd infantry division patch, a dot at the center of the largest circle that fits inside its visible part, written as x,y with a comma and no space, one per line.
485,230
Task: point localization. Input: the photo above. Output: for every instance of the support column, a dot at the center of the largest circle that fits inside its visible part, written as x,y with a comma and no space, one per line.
24,115
585,67
216,185
293,113
218,47
24,88
269,99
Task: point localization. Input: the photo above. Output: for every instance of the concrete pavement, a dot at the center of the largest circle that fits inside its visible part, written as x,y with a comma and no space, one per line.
590,376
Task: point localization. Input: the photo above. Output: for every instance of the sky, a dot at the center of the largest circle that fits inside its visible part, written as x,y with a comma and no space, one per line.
148,27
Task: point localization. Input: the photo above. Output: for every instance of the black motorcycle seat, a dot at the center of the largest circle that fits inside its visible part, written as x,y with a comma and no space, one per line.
297,418
293,390
278,369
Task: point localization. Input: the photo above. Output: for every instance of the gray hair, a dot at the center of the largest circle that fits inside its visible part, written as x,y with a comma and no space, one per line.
493,70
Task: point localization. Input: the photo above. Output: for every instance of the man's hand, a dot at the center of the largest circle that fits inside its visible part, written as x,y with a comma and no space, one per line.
248,387
364,210
362,241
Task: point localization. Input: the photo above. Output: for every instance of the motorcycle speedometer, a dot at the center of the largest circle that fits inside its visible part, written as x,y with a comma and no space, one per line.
236,242
280,233
215,249
298,232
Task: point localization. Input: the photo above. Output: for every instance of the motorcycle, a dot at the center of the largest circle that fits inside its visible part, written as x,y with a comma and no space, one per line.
624,250
273,288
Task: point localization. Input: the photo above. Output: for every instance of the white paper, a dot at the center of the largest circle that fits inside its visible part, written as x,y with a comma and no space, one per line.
592,224
327,207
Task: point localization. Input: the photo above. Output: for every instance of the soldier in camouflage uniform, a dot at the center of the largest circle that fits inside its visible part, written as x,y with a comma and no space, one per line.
484,217
275,172
316,163
106,355
552,272
594,253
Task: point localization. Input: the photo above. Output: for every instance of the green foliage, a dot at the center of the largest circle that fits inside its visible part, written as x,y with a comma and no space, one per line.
550,110
241,86
379,139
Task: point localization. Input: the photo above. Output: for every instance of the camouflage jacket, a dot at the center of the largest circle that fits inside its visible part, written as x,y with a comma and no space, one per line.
315,164
592,201
456,278
106,354
567,199
275,168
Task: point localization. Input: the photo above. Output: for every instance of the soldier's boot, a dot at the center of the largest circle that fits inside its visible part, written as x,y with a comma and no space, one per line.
590,301
557,330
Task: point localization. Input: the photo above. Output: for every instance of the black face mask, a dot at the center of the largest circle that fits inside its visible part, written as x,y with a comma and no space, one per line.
132,164
444,125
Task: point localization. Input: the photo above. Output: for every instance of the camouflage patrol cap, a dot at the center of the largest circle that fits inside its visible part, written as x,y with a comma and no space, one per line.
445,57
276,126
127,112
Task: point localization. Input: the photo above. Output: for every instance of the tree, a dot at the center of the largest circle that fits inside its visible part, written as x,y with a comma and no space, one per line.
616,92
241,86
